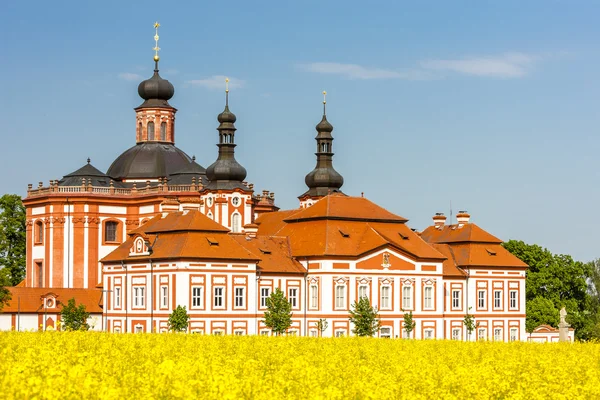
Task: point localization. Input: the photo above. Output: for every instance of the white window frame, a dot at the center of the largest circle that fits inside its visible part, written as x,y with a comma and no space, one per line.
481,297
340,297
385,297
340,333
428,298
313,333
263,296
456,295
293,298
428,333
220,296
497,299
456,333
314,296
514,334
239,297
239,332
513,299
138,329
407,297
385,332
363,291
236,222
265,332
164,296
197,297
117,297
481,333
139,296
497,334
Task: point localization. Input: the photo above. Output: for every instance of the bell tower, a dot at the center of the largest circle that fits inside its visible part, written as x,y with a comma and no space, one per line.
323,179
155,117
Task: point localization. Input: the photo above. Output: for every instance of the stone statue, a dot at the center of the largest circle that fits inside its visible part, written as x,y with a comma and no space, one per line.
563,327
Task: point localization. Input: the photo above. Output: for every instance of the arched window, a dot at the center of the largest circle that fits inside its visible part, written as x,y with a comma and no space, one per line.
163,131
236,223
150,128
110,231
140,130
39,232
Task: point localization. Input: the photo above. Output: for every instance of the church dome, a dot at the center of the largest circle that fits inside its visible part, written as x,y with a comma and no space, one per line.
325,177
148,160
156,91
324,125
226,116
226,170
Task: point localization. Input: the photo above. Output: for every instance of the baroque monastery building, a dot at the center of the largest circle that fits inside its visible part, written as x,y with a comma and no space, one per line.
158,230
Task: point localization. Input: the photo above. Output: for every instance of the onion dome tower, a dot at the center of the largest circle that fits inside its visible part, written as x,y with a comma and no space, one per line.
324,179
226,173
155,155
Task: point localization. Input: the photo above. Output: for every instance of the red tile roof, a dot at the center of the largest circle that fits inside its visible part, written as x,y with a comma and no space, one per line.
180,221
274,253
29,300
344,207
458,234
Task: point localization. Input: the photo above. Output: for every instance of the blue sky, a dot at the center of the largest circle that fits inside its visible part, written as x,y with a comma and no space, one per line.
491,106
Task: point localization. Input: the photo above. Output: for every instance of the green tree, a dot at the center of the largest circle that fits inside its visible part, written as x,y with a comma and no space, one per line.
12,238
409,323
73,317
322,324
560,280
278,316
364,317
470,324
4,292
179,319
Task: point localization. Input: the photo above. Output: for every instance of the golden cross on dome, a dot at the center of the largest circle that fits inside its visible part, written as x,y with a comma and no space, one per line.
324,101
226,85
156,48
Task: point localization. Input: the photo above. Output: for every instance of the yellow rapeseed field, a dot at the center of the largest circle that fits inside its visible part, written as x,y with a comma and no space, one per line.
75,365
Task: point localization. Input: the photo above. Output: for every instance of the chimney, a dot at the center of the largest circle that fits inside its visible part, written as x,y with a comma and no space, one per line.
462,217
439,219
251,230
169,205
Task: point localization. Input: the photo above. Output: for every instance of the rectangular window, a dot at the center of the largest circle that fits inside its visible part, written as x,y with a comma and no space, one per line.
314,333
481,334
138,296
164,296
363,291
513,300
455,334
139,329
385,297
264,295
117,297
406,298
110,231
514,333
238,332
264,332
340,296
340,333
385,332
218,295
481,299
456,299
293,297
314,296
497,299
428,333
428,297
197,296
240,297
497,334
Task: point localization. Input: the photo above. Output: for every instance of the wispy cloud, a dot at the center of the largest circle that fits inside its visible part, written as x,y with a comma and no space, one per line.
217,82
508,65
355,71
129,76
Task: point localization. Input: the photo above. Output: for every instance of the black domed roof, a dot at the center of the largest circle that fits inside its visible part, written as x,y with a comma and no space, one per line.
226,170
326,178
324,125
156,91
226,116
87,172
148,160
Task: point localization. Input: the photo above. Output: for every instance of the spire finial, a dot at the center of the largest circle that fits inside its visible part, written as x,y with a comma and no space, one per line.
324,101
88,160
227,92
156,48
